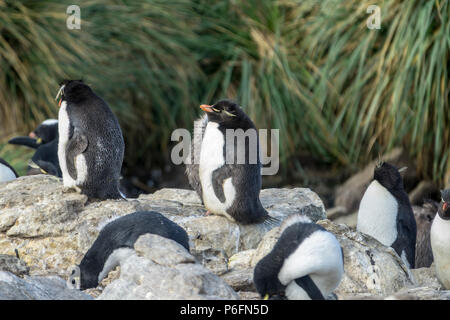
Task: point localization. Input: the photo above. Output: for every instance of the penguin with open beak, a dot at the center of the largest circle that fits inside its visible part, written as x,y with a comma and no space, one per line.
229,169
306,263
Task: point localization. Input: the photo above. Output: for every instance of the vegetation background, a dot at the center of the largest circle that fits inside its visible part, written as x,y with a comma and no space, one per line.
340,93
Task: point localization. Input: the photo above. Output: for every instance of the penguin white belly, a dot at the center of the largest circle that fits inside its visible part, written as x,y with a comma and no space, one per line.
377,215
114,260
294,292
440,244
318,256
80,161
212,158
6,174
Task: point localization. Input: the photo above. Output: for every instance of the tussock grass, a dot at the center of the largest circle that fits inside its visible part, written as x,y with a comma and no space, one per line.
336,90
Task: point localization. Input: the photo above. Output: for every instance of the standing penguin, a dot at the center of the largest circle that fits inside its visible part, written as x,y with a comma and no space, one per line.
306,263
440,240
7,173
91,145
231,188
385,213
116,242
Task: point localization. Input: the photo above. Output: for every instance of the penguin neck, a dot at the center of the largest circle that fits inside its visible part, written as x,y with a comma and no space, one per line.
398,192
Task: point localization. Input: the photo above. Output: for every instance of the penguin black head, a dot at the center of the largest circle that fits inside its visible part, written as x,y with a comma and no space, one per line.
73,91
266,280
89,270
47,131
388,176
444,207
226,112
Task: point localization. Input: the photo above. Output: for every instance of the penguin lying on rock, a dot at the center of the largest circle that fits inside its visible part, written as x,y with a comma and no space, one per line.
385,213
45,140
228,188
116,242
7,173
306,263
91,145
46,132
440,240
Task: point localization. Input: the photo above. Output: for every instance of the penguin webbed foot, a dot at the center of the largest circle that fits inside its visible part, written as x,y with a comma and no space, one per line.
72,189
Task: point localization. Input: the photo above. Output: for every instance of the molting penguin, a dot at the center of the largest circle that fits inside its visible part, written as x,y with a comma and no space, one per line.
7,173
385,213
307,262
192,168
91,145
116,242
424,219
440,240
231,189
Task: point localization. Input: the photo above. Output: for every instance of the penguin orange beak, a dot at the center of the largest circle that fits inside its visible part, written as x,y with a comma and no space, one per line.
445,206
59,103
206,108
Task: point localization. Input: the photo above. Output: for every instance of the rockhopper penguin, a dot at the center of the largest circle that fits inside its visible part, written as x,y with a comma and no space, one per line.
230,189
91,145
45,140
440,240
46,132
7,173
116,242
385,213
305,263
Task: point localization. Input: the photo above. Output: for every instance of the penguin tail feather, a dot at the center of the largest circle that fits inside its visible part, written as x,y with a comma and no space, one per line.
271,221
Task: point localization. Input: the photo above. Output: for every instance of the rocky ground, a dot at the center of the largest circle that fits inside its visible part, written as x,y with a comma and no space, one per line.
44,232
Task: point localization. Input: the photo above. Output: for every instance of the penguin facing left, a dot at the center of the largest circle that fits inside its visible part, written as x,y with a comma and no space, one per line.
230,189
45,140
7,173
385,213
91,145
306,263
45,132
116,242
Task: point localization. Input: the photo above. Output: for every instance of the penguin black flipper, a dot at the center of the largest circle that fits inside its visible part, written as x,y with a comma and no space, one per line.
76,145
218,177
309,286
406,234
25,141
48,168
46,158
